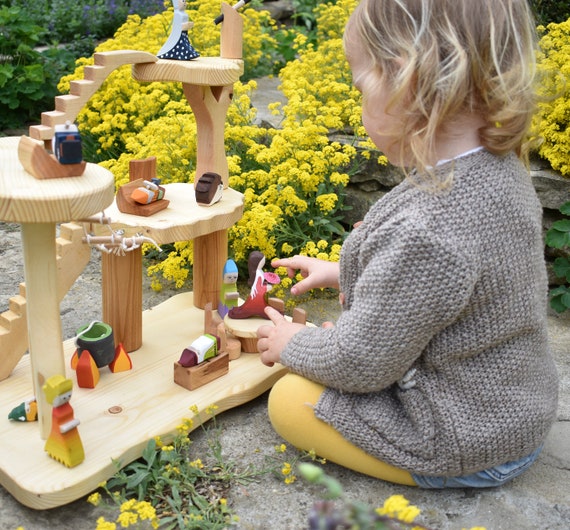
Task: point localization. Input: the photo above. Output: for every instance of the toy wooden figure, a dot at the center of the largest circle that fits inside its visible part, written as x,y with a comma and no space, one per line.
142,195
149,192
39,163
228,293
209,189
63,443
66,144
178,45
201,363
257,300
26,411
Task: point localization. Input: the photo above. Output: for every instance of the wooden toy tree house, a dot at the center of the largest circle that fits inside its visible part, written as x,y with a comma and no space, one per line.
126,409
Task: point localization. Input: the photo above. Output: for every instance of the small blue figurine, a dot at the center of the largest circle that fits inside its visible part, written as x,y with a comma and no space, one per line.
178,45
228,293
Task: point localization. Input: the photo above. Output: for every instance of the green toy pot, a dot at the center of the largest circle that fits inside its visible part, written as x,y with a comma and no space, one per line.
98,341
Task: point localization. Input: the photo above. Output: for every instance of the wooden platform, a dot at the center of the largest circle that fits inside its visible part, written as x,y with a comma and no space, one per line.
150,403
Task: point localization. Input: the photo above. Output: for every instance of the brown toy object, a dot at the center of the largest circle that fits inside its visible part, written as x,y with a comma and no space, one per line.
193,377
201,374
42,165
139,172
209,189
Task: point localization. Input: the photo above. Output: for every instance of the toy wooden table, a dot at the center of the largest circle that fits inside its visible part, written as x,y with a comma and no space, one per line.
38,205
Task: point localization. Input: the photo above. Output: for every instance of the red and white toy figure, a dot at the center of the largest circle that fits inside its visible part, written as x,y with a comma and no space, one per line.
257,300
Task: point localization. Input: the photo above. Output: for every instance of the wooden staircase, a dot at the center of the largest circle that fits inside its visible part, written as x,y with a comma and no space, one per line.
68,106
72,257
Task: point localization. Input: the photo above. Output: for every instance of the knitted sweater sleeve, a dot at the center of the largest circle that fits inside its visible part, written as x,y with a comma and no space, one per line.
404,286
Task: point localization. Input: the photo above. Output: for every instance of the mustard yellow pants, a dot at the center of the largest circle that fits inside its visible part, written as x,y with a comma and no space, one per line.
290,408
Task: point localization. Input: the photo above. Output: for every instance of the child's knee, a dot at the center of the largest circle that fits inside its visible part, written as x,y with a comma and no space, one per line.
290,400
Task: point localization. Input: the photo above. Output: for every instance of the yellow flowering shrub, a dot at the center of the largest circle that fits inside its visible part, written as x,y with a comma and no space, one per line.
552,121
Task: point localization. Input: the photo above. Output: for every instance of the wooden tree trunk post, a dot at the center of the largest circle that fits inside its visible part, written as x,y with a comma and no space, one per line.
210,105
122,297
210,255
44,323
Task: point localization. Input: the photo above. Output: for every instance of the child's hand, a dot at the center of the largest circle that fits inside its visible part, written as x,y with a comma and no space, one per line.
272,339
316,273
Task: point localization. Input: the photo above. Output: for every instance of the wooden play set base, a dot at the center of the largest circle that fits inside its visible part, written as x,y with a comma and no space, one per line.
124,411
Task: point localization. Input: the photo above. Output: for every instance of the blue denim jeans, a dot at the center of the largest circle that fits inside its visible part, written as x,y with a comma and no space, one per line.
488,478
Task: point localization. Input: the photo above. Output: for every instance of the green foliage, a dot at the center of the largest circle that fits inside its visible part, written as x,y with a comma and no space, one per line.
547,11
552,120
68,21
170,488
32,56
28,77
558,236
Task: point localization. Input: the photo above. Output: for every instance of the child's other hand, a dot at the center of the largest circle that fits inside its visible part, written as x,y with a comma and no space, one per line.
316,273
272,339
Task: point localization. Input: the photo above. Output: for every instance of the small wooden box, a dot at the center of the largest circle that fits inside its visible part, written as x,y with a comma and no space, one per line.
201,374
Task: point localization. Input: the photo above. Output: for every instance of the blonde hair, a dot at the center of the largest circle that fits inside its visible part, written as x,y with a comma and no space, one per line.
440,58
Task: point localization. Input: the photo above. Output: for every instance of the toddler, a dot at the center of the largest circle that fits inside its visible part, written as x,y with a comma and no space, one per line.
437,372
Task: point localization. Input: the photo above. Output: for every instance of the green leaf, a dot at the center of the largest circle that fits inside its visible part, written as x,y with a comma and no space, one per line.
149,453
565,299
557,305
560,298
565,208
557,239
562,226
561,268
136,479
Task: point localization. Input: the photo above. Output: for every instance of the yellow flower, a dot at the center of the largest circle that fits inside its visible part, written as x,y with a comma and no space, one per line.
280,448
194,410
186,426
398,507
197,464
102,524
145,510
127,518
211,409
94,499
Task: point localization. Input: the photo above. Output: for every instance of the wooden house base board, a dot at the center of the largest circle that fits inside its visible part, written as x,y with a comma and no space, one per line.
123,412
